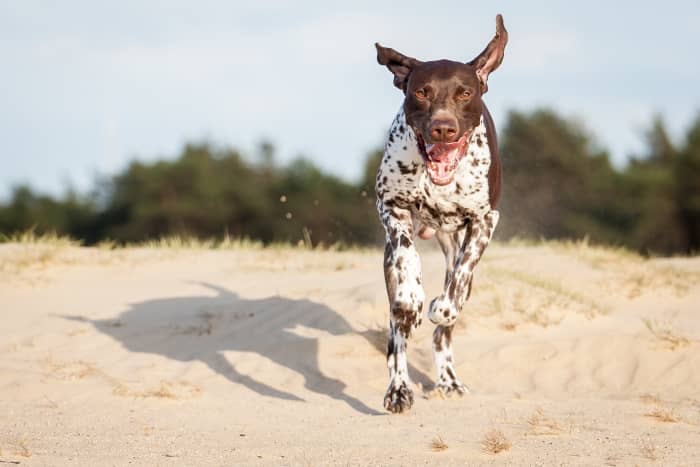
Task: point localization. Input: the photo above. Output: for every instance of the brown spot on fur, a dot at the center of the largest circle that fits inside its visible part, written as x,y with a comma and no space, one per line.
404,319
406,170
451,290
437,338
442,333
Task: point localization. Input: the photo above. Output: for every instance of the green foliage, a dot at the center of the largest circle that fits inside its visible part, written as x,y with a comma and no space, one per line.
206,193
687,176
558,183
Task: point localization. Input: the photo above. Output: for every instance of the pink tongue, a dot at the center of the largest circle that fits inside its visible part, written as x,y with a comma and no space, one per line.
442,170
438,152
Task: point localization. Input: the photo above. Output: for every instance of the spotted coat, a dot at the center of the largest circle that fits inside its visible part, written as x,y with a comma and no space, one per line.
461,212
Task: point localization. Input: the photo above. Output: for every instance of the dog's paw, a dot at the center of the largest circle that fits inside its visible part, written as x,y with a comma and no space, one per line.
398,398
454,388
442,311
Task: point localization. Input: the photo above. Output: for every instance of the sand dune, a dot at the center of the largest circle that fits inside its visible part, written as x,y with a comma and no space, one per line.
175,356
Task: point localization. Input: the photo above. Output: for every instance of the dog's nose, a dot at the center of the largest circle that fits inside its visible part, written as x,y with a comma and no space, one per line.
443,131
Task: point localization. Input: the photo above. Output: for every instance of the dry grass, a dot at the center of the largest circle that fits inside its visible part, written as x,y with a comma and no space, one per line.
540,424
648,277
494,442
79,370
590,306
664,414
33,251
69,371
52,403
23,450
164,391
176,390
650,399
180,242
664,332
16,447
519,304
190,243
648,450
239,244
31,258
555,297
596,255
438,444
31,238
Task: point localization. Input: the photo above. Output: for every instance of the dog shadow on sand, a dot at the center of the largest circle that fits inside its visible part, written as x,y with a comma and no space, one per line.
203,327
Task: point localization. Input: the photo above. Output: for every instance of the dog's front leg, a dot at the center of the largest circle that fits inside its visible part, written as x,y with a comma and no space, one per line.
445,308
402,272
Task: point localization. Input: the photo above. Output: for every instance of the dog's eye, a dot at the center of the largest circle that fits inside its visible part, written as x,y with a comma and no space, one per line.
465,95
420,94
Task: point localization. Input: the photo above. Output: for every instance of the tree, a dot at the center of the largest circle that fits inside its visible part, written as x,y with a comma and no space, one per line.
557,182
651,195
687,172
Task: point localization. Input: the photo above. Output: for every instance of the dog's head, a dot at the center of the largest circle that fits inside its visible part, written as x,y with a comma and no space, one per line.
443,100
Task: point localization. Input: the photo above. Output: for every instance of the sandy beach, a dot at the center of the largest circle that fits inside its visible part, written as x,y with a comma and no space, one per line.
154,356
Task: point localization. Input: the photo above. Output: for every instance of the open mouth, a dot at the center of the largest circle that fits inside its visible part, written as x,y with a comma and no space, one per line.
441,159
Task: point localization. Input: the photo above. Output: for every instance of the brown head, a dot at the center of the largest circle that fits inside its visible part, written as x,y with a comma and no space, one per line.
443,99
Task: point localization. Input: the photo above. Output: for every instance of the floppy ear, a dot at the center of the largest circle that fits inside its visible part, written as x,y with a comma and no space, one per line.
492,56
399,64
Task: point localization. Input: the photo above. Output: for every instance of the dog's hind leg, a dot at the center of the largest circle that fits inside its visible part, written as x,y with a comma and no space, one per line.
450,244
402,272
444,309
446,382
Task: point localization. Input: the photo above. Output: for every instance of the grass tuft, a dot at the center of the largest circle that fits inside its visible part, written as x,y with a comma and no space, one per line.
438,444
540,424
648,450
30,237
650,399
665,333
664,414
494,442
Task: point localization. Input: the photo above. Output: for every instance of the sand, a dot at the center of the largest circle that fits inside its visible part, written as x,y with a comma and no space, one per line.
177,356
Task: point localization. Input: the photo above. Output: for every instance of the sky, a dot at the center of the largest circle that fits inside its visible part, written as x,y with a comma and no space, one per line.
86,87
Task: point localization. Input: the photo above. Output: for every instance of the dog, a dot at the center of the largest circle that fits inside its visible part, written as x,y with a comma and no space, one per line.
440,176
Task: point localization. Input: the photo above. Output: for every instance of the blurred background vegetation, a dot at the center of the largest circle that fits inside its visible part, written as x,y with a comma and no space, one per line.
559,184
